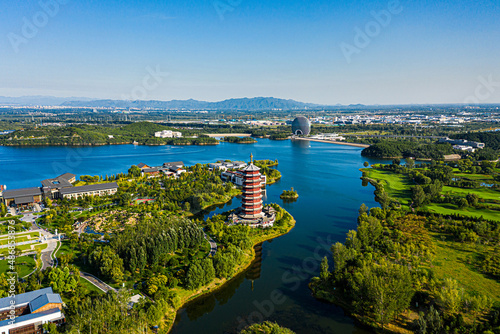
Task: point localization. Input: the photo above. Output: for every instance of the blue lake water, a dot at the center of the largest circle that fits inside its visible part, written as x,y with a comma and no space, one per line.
327,179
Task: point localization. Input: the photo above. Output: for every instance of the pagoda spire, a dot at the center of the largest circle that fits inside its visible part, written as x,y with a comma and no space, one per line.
251,158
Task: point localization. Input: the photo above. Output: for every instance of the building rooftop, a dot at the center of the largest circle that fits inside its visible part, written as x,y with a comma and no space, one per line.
151,170
142,165
24,192
251,168
41,301
93,187
24,200
62,181
24,298
67,176
174,164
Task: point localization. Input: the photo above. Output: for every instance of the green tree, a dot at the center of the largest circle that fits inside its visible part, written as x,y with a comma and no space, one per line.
134,171
363,209
195,276
224,265
62,280
324,273
418,196
449,296
366,164
472,199
266,328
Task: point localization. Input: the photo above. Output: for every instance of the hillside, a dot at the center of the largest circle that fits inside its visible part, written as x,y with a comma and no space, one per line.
258,103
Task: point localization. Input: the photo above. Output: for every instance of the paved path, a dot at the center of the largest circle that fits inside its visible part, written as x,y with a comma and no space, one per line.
51,240
97,282
213,245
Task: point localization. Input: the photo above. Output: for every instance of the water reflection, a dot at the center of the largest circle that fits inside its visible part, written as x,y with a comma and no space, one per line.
207,303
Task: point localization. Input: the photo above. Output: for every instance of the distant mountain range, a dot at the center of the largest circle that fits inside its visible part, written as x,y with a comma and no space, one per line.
243,104
258,103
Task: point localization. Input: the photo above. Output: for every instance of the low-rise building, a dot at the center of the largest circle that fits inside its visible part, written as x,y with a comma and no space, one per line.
143,166
26,313
102,189
153,171
23,198
52,187
168,134
461,142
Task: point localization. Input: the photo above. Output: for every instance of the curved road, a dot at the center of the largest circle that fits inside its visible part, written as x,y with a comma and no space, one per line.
52,240
213,245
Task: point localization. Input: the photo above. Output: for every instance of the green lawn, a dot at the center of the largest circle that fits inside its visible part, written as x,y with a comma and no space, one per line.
448,209
483,192
24,248
484,177
396,185
4,239
65,249
26,265
456,260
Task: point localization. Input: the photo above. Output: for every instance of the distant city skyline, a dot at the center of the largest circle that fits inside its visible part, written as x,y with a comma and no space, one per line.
324,52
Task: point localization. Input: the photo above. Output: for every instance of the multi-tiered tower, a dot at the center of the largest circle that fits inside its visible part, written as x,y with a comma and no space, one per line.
252,192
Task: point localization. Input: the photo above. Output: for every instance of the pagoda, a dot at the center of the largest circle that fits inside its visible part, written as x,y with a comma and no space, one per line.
252,192
252,213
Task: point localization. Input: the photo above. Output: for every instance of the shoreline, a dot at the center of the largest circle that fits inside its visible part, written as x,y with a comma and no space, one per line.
220,283
109,144
333,142
214,135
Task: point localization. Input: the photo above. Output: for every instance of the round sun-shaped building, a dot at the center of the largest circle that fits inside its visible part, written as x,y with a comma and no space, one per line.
301,126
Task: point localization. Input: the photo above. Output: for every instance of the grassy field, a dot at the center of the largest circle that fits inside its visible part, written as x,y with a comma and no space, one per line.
483,192
26,265
24,248
479,177
396,185
449,209
4,239
456,260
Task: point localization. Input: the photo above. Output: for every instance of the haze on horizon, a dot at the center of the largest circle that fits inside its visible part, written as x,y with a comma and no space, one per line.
325,52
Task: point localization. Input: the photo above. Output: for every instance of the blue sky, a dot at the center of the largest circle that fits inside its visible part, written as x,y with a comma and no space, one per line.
430,51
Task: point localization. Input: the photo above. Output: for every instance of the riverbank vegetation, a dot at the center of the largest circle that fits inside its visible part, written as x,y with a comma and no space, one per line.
266,328
405,149
266,168
142,133
414,266
239,140
399,270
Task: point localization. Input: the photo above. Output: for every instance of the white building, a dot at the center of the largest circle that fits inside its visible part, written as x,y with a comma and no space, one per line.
168,134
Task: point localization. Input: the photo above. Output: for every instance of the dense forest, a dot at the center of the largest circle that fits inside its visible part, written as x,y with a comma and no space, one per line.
141,132
406,149
239,140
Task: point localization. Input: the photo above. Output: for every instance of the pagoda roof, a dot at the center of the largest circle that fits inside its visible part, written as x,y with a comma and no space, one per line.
251,168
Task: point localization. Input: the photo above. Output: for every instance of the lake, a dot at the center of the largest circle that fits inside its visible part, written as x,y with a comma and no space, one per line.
327,179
